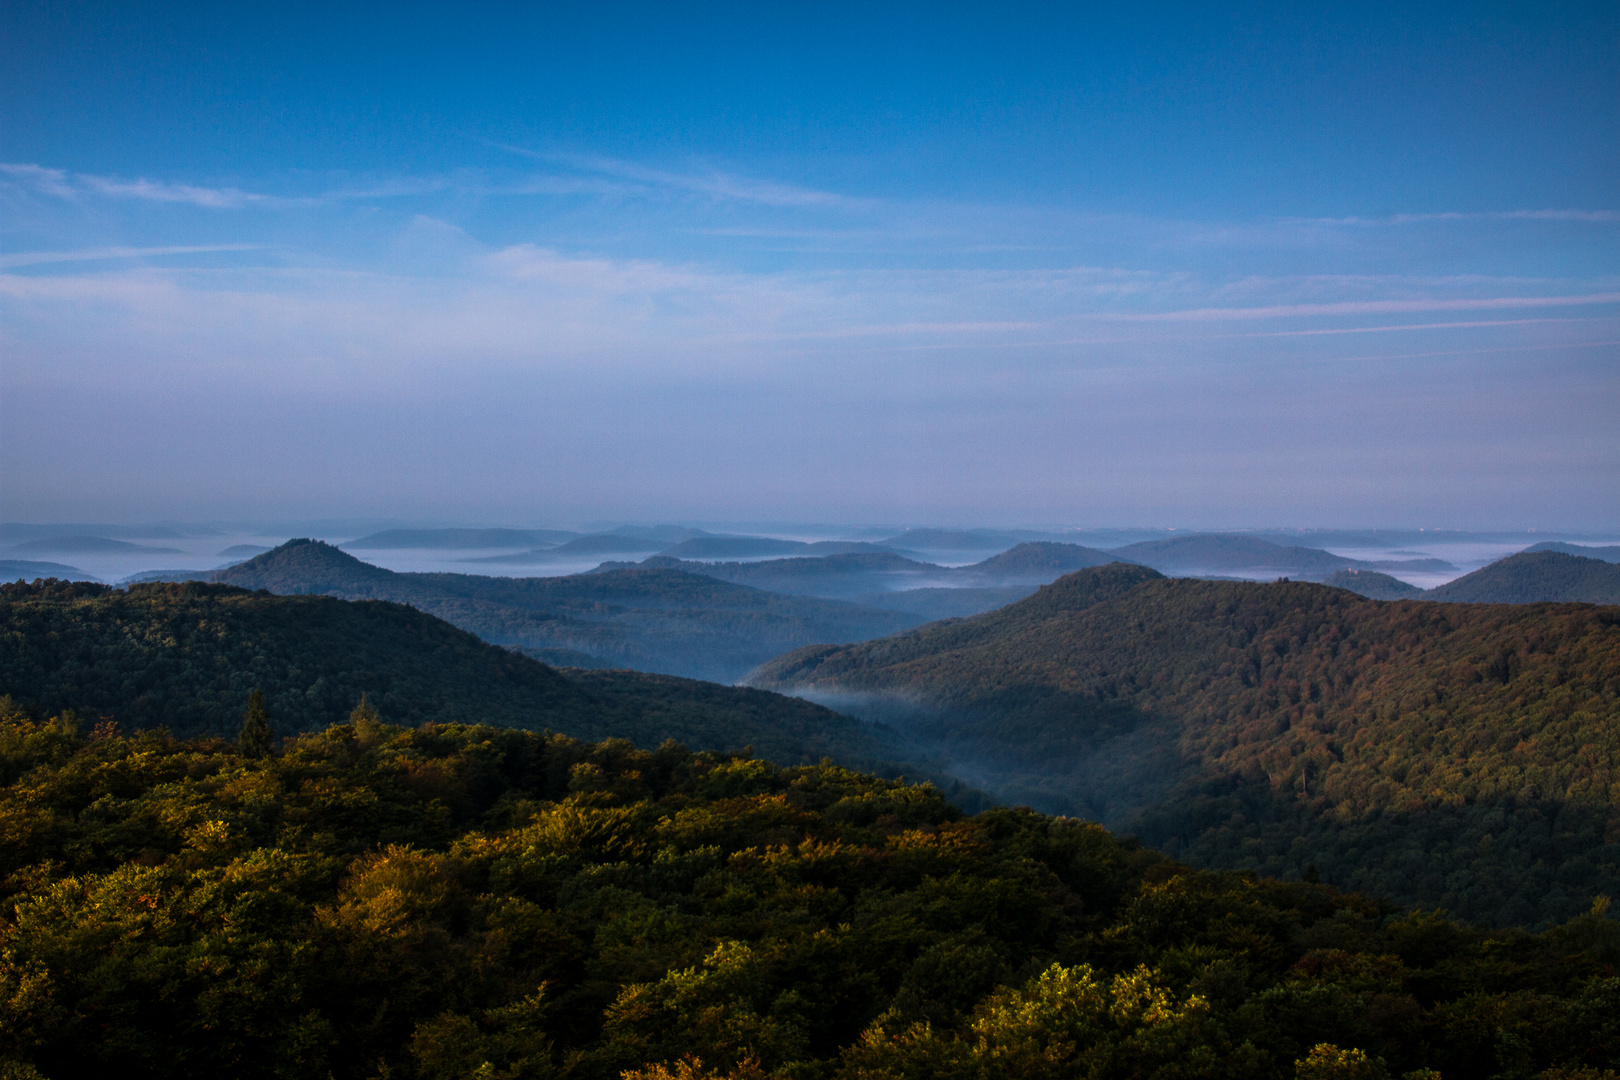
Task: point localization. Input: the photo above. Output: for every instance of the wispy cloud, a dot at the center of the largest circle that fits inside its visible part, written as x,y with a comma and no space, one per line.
1366,307
1473,324
1591,216
37,258
62,184
714,183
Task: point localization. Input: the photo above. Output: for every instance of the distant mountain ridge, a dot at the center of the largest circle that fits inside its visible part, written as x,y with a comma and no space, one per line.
31,569
457,539
1218,553
846,576
1277,725
1611,553
87,545
662,620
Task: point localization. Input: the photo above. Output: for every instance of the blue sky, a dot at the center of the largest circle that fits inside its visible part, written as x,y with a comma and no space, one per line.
1289,265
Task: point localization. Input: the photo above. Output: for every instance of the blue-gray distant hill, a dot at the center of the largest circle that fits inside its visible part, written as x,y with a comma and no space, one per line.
748,547
1611,553
1373,585
457,539
1533,577
30,569
243,551
592,546
970,540
661,620
864,573
1219,554
87,545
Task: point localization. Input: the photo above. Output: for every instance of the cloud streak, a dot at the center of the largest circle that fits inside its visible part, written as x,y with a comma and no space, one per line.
39,258
714,183
1366,307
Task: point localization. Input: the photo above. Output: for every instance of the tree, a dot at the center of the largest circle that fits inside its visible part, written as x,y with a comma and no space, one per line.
256,735
366,720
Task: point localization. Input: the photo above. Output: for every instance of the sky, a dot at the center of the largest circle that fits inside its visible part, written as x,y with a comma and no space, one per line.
1179,265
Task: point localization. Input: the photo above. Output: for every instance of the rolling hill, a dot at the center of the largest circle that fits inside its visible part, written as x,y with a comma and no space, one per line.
1610,553
1373,585
30,569
1460,755
185,656
868,572
87,545
1215,554
1534,577
457,539
826,576
663,620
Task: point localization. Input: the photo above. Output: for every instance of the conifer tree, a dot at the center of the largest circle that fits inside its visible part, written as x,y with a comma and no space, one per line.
255,738
366,720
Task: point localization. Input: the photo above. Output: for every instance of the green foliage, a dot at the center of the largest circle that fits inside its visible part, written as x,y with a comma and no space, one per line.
474,901
189,656
1453,755
255,737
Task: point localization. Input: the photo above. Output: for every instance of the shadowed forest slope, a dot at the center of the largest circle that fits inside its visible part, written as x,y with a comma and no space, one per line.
1535,576
1456,754
185,657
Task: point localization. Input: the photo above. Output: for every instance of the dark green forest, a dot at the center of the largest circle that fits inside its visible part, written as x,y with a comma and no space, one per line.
454,901
1456,755
1533,576
185,656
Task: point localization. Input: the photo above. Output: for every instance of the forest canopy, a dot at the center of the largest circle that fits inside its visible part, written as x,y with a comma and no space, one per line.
455,901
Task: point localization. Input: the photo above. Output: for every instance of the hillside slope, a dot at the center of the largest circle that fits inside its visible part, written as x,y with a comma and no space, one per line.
1534,577
665,620
186,656
1373,585
1462,755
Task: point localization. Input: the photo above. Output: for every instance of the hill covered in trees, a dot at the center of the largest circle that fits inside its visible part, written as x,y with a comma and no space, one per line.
460,901
1534,577
1608,553
1214,554
186,656
1373,585
1461,755
662,620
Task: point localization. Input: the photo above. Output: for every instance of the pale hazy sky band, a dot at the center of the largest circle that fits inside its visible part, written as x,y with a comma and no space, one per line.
554,306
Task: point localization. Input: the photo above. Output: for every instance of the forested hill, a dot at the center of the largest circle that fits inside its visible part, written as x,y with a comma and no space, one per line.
453,902
1454,754
650,619
185,657
1533,576
1373,585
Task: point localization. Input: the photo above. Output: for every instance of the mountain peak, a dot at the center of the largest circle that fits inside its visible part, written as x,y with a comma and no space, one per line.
303,566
